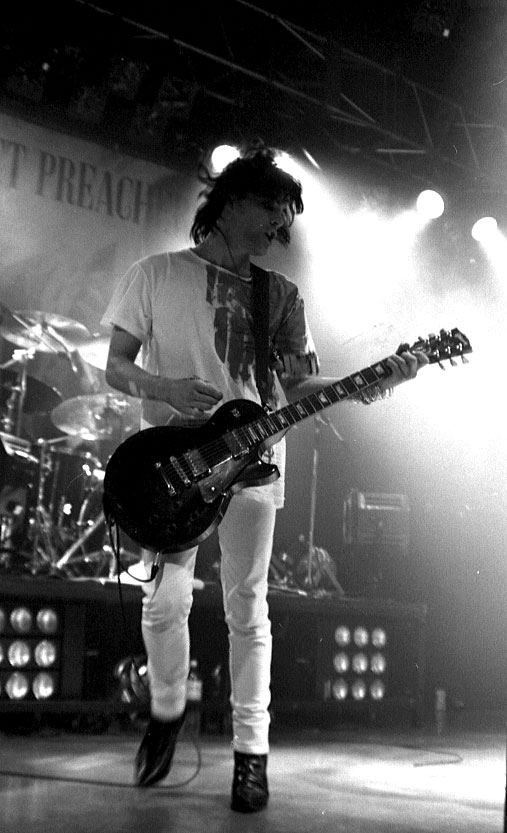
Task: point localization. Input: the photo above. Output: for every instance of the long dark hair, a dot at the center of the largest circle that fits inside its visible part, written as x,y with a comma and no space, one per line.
255,172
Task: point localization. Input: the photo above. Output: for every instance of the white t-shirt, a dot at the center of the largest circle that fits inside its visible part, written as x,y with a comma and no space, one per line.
194,320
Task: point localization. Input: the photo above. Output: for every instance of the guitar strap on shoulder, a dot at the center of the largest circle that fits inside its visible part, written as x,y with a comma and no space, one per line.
260,315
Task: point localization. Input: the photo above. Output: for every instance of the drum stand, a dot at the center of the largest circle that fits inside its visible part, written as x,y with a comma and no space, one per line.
44,552
67,557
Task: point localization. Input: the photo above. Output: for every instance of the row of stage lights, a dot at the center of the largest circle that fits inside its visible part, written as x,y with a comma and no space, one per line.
29,652
359,665
430,205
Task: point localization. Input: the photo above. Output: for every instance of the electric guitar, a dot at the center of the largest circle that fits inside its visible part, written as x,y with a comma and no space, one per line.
169,488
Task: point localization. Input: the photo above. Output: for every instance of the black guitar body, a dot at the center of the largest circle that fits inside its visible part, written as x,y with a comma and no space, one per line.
140,501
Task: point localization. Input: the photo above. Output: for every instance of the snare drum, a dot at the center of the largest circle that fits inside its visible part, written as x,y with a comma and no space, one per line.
68,479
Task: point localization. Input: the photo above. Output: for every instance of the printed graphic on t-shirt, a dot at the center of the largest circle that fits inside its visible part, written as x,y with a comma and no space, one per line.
229,297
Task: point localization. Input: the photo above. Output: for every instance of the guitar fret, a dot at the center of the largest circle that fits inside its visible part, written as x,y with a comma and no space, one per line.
325,398
339,390
370,375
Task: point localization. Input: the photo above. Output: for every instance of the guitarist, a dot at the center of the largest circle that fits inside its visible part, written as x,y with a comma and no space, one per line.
190,314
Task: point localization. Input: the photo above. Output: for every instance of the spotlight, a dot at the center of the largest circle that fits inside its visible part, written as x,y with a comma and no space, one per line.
341,663
342,635
361,637
222,156
47,620
21,620
17,686
43,686
430,204
485,229
359,690
378,663
377,690
378,638
360,663
340,689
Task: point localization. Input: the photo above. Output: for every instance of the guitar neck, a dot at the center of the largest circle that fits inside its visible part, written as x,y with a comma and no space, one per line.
345,388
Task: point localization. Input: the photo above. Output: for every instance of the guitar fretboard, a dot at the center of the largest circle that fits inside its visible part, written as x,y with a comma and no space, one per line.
271,424
240,441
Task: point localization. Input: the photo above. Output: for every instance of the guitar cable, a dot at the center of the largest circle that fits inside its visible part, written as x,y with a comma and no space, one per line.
115,543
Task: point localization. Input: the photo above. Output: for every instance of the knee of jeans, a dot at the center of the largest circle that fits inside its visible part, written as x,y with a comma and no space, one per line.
249,619
165,610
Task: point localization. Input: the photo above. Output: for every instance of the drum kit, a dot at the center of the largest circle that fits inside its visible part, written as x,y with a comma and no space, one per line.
51,518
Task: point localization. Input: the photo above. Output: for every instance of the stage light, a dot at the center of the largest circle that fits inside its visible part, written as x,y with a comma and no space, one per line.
377,690
359,690
222,156
378,663
45,653
485,229
31,640
430,204
21,620
342,636
17,686
360,663
361,637
341,663
340,689
18,654
378,637
47,621
350,674
43,686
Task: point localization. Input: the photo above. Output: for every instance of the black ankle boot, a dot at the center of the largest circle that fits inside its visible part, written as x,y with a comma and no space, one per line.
250,784
155,754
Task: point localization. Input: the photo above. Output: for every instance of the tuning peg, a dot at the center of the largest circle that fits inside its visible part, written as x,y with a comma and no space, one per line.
465,360
453,363
441,365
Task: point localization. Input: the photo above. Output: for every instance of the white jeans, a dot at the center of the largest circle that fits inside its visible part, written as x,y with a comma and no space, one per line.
246,538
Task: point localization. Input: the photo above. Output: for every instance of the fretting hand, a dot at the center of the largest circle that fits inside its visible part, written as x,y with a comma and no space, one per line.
404,366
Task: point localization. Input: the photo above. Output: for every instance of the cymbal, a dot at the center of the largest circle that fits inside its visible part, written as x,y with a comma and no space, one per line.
98,416
46,332
95,352
39,397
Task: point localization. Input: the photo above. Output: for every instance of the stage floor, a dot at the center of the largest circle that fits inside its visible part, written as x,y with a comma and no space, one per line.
354,779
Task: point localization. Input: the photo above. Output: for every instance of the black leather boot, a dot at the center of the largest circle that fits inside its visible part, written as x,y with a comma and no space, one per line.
250,784
155,754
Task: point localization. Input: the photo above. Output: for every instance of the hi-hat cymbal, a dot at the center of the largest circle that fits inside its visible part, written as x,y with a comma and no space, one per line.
39,397
98,416
46,332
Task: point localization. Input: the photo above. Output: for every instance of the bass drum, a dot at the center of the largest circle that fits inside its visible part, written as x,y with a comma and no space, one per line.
95,557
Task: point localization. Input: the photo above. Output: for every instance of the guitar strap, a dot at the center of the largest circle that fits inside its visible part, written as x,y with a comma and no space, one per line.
260,315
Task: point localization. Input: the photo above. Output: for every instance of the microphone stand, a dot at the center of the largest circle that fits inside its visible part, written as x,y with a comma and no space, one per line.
317,422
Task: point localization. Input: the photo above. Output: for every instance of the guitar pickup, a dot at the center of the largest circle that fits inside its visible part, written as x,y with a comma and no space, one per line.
236,446
197,463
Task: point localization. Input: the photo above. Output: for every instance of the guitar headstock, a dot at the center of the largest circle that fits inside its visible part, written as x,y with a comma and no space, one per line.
446,346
